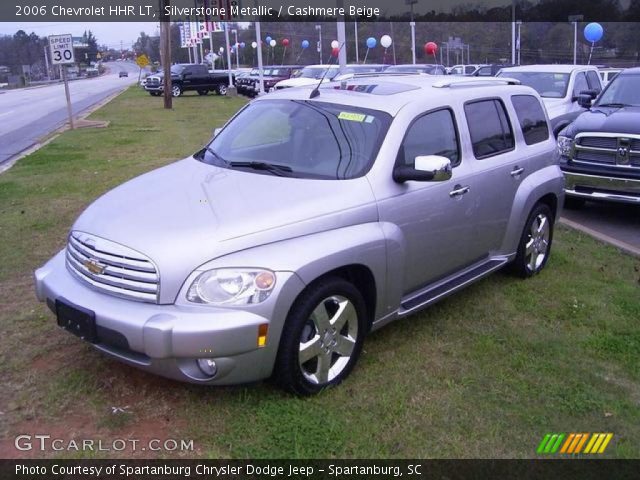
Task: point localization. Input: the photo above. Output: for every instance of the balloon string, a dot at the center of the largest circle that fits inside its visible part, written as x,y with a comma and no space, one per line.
591,52
283,54
365,56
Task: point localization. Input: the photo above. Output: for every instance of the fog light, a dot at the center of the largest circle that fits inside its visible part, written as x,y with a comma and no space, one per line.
207,366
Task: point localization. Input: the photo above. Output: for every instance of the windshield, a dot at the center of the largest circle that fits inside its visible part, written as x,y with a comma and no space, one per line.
313,139
623,90
547,84
317,72
177,69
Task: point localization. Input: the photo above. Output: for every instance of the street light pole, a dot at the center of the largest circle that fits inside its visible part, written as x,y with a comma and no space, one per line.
411,3
519,41
355,31
513,32
235,32
319,29
575,19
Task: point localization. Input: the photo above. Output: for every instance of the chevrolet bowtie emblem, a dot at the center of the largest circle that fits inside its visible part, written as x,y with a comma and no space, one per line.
94,266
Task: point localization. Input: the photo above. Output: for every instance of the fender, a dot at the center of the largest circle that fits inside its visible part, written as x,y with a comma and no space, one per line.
548,180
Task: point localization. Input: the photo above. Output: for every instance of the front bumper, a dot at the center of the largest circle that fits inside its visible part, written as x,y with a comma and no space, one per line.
597,187
154,88
167,339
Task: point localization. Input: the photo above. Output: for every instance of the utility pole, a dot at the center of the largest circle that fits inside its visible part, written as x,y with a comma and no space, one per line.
46,62
319,29
165,52
411,3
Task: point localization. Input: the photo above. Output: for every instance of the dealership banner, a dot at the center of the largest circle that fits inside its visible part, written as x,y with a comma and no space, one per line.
316,10
317,469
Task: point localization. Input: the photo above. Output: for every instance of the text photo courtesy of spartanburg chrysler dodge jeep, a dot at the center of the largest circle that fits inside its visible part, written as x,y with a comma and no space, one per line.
313,217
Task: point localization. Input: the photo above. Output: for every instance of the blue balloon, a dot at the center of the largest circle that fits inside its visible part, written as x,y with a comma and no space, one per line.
268,40
305,43
593,32
371,42
242,44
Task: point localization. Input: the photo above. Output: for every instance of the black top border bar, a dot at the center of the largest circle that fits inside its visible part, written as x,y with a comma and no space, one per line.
29,11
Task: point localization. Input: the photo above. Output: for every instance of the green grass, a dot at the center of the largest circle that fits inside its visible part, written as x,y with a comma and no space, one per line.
485,373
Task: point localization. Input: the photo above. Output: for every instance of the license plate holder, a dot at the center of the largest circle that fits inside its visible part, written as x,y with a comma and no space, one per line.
77,320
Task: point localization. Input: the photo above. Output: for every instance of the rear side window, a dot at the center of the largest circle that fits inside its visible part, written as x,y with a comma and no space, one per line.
491,133
432,134
531,118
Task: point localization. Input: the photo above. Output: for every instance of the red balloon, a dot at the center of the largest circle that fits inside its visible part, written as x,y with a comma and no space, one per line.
335,52
285,42
430,48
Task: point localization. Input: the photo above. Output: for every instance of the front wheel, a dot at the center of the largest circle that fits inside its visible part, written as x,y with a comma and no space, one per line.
222,89
322,337
176,91
535,243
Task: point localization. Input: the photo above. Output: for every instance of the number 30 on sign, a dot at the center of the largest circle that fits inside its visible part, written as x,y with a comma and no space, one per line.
61,49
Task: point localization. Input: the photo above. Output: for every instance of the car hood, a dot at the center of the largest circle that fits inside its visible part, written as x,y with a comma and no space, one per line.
606,120
189,213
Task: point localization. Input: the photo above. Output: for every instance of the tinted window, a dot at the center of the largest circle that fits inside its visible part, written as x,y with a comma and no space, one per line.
484,72
432,134
594,81
490,131
531,118
547,84
580,84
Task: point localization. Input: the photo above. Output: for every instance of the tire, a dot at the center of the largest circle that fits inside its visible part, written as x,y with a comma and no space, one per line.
203,92
332,349
535,243
221,89
176,90
573,203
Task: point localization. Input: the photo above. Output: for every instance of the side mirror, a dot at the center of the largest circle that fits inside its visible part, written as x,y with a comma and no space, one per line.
585,100
592,93
428,168
216,131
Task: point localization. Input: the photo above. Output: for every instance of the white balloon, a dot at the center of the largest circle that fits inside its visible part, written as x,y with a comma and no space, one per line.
254,44
386,41
221,49
335,44
272,43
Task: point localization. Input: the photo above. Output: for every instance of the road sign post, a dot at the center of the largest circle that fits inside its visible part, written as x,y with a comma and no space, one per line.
61,47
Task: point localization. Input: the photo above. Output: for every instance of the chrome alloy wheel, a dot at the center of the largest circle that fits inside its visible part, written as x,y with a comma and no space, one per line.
328,340
537,245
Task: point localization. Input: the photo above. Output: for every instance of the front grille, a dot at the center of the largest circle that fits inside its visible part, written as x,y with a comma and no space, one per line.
112,268
623,151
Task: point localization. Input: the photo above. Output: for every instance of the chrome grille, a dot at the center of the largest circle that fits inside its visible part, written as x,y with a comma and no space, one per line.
112,268
608,149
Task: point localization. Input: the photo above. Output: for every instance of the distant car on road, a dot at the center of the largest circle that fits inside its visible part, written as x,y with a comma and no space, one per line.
123,73
559,86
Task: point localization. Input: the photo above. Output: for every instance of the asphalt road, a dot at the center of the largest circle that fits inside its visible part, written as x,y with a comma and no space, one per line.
617,221
29,114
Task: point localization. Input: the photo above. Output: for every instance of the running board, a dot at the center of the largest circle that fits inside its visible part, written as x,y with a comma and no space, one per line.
435,292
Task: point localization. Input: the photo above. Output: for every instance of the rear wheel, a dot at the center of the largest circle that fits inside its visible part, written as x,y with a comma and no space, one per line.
535,243
176,90
322,337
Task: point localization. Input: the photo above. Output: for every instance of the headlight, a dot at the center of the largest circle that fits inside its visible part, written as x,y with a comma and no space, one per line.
565,146
231,286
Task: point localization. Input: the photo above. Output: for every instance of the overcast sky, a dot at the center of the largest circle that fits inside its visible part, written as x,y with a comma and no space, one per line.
110,34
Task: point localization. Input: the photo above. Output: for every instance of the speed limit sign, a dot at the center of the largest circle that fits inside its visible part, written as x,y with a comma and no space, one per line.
61,47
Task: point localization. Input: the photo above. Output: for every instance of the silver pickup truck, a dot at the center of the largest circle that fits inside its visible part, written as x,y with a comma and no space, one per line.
313,217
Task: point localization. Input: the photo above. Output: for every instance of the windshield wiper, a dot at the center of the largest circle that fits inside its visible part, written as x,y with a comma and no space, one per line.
613,105
281,170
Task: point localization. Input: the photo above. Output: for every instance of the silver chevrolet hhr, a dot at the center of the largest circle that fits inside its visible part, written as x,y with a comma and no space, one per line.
313,217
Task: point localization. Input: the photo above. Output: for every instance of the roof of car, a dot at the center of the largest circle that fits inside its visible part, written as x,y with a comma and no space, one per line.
389,93
630,71
549,68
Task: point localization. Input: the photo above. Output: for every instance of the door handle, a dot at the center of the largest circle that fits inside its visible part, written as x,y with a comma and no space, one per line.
517,171
459,190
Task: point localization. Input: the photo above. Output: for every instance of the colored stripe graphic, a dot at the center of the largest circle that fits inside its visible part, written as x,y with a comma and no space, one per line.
573,443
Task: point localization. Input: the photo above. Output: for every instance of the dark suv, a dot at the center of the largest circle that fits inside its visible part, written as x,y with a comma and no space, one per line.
601,149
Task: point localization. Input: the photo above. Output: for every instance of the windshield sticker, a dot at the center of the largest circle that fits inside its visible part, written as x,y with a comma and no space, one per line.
354,117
